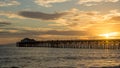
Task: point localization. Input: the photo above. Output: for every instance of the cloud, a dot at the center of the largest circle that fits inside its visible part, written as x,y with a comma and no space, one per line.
114,15
8,3
63,32
72,19
76,23
94,2
47,3
11,14
116,18
93,22
23,32
39,33
78,20
40,15
52,34
4,23
32,15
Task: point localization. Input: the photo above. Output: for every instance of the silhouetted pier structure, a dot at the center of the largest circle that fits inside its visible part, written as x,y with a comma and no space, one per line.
85,44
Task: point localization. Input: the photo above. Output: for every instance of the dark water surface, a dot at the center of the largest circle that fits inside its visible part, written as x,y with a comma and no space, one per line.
36,57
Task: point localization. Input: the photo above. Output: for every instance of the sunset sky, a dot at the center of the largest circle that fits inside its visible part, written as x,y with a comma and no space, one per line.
59,19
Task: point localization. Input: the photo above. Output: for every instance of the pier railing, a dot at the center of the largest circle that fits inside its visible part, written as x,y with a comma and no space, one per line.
89,44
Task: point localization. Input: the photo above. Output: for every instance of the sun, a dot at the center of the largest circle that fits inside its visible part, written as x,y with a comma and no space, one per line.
109,35
106,35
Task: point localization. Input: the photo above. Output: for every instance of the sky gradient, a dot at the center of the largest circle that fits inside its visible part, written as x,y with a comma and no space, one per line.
59,19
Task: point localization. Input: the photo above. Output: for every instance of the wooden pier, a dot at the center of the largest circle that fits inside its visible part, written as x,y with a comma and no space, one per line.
85,44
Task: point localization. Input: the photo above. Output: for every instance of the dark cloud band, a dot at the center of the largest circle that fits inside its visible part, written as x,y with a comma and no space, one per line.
40,15
24,33
4,23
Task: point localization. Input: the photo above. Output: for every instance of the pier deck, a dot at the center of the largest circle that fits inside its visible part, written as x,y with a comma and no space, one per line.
89,44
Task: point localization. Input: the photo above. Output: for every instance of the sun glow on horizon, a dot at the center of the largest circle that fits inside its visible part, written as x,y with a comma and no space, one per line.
109,35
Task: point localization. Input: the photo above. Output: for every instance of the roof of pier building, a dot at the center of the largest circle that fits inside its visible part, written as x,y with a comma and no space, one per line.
28,40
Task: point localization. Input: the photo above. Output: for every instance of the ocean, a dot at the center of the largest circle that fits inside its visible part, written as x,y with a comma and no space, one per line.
36,57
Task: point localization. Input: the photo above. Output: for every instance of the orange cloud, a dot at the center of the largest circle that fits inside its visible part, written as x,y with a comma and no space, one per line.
115,18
